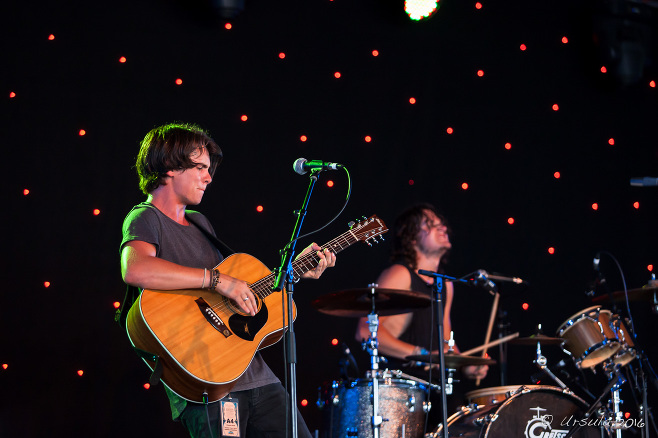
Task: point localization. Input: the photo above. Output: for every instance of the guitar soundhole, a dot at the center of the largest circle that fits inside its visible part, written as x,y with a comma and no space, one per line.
246,326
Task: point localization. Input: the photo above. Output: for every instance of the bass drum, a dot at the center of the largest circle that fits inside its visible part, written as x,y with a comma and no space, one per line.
538,412
347,408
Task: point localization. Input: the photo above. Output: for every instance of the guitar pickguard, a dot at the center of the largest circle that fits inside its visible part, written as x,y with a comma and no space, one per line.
247,326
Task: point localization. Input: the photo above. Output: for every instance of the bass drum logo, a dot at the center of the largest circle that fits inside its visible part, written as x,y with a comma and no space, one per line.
539,426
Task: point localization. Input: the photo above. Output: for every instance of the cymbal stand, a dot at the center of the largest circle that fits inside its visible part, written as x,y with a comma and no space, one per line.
542,362
371,345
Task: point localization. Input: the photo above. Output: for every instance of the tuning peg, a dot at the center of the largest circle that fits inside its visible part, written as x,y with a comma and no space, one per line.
351,224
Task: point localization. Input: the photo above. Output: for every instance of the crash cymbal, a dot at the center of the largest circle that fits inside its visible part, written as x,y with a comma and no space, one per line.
645,293
532,340
356,303
452,360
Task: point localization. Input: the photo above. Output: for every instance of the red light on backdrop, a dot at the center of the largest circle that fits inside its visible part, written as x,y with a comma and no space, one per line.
464,186
412,100
411,182
557,175
228,26
334,341
303,138
282,55
450,130
480,73
551,250
147,385
368,139
5,366
82,132
330,183
259,208
525,306
122,59
523,47
179,81
12,95
375,53
80,373
611,142
478,5
96,212
650,267
565,40
26,192
337,75
46,284
603,69
595,206
244,117
116,304
652,84
304,402
51,37
510,220
555,107
508,146
636,205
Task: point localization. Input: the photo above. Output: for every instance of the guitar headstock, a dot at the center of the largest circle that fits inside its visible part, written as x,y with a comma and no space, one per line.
367,230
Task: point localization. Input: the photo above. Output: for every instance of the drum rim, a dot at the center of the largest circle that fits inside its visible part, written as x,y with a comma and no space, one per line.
582,314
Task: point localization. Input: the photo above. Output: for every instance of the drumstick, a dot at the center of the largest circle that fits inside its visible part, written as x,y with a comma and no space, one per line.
490,344
492,318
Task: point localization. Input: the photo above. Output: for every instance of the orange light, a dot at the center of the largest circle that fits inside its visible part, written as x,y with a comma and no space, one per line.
523,47
46,284
611,142
337,75
303,138
368,139
636,205
12,95
147,385
5,366
51,37
375,53
464,186
228,26
330,183
334,341
244,117
259,209
478,5
555,107
627,415
412,100
122,59
652,84
80,373
595,206
282,55
26,192
450,130
82,132
510,220
304,402
508,146
116,304
650,267
551,250
565,40
179,81
603,69
96,212
480,73
557,175
525,306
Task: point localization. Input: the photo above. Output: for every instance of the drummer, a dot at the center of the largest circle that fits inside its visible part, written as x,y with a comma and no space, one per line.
420,242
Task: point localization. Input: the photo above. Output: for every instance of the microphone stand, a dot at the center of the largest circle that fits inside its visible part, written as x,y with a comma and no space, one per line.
437,289
284,273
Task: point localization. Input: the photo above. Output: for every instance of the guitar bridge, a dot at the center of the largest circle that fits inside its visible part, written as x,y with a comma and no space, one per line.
212,317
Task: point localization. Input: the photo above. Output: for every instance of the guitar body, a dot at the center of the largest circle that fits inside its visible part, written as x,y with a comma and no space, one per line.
204,341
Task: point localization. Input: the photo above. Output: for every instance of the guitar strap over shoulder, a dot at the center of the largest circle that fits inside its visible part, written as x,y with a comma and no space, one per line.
221,246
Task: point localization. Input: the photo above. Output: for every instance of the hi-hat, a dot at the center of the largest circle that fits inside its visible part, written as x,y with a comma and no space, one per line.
452,360
357,303
532,340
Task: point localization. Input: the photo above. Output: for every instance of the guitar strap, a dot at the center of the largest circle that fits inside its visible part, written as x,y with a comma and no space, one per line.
132,293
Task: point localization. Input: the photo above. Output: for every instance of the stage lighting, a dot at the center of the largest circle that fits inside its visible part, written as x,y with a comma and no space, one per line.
420,9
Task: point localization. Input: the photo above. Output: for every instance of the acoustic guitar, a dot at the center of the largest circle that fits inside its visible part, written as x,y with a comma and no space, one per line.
203,340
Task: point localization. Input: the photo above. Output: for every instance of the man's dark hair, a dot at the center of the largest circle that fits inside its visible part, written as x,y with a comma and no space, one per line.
405,231
169,147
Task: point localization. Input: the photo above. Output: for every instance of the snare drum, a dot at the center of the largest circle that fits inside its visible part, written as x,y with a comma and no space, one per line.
589,336
542,411
493,395
627,351
347,408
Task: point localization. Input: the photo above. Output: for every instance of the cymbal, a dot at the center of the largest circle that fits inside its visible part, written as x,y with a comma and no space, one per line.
357,303
532,340
452,360
645,293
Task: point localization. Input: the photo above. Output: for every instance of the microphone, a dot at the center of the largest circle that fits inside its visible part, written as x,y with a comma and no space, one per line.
348,353
302,165
599,281
496,277
596,261
647,181
485,279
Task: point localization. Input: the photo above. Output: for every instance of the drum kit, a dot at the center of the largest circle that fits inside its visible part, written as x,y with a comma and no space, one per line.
394,404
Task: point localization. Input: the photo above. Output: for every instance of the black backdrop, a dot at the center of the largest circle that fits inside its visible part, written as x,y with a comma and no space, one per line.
75,82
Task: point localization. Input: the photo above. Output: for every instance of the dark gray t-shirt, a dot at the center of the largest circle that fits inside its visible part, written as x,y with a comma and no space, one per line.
187,246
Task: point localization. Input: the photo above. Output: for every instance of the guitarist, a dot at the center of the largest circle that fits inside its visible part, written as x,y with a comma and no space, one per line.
164,248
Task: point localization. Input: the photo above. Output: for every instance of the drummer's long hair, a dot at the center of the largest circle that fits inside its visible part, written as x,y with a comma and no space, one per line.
406,228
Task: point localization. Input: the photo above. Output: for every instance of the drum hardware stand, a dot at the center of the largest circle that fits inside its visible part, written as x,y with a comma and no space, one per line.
371,346
542,362
502,347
